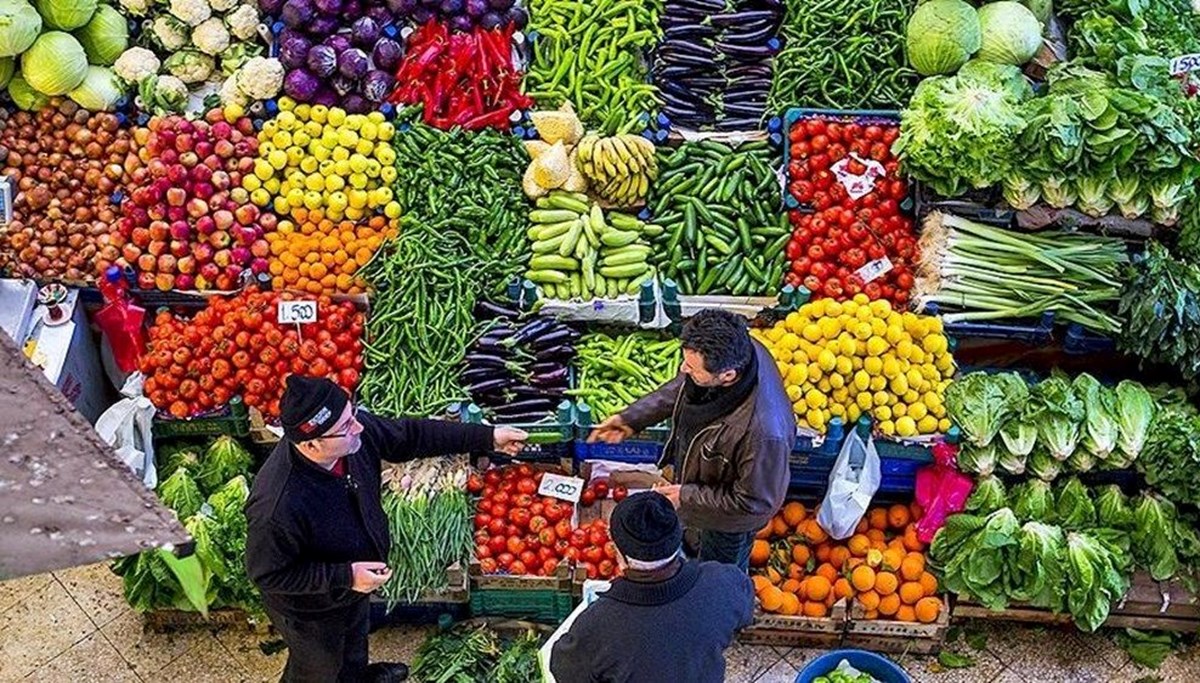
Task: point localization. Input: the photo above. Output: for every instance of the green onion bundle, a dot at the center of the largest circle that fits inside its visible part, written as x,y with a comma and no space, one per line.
991,273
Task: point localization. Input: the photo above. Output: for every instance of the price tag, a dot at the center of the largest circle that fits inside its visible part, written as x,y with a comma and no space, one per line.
563,488
874,270
5,201
297,312
858,184
1184,64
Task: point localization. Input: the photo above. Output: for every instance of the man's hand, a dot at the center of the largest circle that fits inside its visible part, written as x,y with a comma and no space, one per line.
509,440
611,431
366,577
670,492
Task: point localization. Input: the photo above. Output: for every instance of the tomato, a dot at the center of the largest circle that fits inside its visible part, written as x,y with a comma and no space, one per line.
553,512
579,539
523,500
592,572
606,568
601,489
474,483
529,558
597,537
537,523
592,554
482,520
563,528
619,493
499,510
488,565
483,551
610,550
516,545
588,497
571,553
520,517
537,509
517,568
550,566
498,544
547,537
527,485
482,536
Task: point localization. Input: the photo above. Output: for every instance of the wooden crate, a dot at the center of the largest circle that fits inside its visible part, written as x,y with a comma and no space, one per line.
563,580
793,631
896,637
172,621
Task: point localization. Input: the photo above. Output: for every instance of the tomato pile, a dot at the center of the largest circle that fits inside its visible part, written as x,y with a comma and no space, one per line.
521,533
235,346
834,234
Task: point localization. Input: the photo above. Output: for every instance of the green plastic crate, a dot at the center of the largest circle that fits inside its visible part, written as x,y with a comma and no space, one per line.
542,606
234,422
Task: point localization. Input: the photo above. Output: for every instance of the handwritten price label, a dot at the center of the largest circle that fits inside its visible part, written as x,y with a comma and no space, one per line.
874,270
858,185
1184,64
563,488
297,312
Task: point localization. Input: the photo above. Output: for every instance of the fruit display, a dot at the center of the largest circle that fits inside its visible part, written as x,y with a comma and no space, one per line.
236,346
188,223
619,169
317,255
861,357
799,571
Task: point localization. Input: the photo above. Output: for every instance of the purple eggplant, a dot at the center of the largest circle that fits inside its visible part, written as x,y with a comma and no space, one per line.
485,360
531,330
550,378
485,309
489,385
559,337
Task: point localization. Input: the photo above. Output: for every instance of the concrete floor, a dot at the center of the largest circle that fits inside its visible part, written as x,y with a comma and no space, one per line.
75,626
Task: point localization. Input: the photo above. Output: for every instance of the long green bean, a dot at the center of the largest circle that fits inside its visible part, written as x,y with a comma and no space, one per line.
613,372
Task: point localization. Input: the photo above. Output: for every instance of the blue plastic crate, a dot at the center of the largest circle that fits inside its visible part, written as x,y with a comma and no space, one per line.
645,448
1037,332
1080,341
861,116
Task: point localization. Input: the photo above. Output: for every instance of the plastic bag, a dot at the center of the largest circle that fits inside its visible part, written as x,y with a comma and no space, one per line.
126,426
941,491
852,484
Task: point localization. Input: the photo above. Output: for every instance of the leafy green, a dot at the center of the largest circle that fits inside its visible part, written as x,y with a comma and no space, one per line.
180,493
192,579
1058,414
1170,460
951,660
1019,433
981,402
1153,536
1112,508
1094,580
1043,465
1074,508
1039,573
976,554
1101,428
976,459
224,460
519,663
1148,649
1033,501
1135,411
988,496
941,36
1160,305
175,455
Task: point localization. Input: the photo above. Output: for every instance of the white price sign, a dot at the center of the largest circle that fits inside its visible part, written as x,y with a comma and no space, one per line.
874,270
563,488
297,312
1184,64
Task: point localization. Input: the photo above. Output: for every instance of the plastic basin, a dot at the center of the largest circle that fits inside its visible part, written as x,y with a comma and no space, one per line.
878,666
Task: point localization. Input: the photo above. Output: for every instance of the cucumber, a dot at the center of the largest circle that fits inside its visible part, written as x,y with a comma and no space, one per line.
618,238
547,277
624,270
552,215
571,239
553,262
547,231
623,258
565,201
549,246
623,221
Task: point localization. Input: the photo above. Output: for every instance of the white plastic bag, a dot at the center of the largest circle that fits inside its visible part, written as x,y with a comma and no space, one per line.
126,426
852,484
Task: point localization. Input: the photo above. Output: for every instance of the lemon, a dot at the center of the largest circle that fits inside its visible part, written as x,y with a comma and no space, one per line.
862,380
917,410
826,360
811,332
856,363
233,112
887,427
873,365
894,334
833,308
815,399
844,365
864,401
355,214
898,409
927,425
906,426
862,331
943,425
850,308
912,397
823,386
899,384
878,383
830,327
799,356
368,130
878,327
837,410
891,367
882,413
816,420
840,395
846,345
932,401
796,375
917,355
794,321
794,392
853,412
880,398
876,346
814,372
790,342
863,314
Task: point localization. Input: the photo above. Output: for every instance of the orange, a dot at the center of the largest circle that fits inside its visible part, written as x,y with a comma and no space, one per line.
838,556
877,537
886,583
771,598
854,562
774,576
871,614
778,526
827,572
790,605
911,541
813,532
878,519
823,551
912,567
874,558
814,609
792,585
858,545
760,552
862,578
801,555
929,582
795,571
802,590
869,600
892,559
906,613
793,513
927,610
911,592
915,510
764,533
889,604
842,588
862,526
760,582
818,587
898,516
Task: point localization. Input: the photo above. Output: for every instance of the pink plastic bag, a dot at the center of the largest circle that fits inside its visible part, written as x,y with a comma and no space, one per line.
941,490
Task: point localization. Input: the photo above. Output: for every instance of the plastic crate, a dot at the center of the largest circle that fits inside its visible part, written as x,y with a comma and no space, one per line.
234,420
983,206
863,117
644,447
1038,332
551,440
1080,341
548,599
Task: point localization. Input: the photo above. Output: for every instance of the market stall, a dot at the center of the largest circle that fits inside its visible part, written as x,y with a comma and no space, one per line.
935,217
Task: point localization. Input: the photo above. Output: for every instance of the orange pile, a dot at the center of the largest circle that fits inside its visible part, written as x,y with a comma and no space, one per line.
798,570
311,253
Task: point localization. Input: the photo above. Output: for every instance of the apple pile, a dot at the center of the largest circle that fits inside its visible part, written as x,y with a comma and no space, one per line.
187,222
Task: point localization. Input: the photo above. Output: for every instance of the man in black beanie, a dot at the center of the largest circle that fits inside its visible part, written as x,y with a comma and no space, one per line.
318,539
666,619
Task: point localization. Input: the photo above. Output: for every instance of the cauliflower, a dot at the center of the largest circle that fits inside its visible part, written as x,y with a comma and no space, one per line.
231,94
171,33
191,12
260,78
136,8
135,64
236,55
243,22
170,93
190,66
223,6
210,37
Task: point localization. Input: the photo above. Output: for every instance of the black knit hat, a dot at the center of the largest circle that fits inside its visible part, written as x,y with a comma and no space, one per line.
310,407
645,527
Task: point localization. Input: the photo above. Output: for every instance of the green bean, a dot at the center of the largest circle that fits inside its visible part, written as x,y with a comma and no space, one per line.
615,371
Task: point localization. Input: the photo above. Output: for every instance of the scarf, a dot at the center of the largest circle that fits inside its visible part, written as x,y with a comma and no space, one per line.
704,406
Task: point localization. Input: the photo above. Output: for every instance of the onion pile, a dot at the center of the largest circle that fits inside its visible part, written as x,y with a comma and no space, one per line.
65,163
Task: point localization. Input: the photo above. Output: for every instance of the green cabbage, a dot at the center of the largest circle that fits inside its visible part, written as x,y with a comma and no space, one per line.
1032,501
8,66
1074,508
1011,34
105,37
180,493
99,90
1058,415
980,402
941,36
1039,574
20,25
987,496
24,96
1152,537
1112,508
1135,410
1040,8
66,15
224,460
56,63
1100,407
976,459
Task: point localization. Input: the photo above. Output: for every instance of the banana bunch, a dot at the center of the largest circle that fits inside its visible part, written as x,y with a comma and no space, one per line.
579,252
619,169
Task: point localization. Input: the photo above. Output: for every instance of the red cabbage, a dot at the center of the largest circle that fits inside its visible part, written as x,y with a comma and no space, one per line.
422,15
325,96
321,60
462,23
476,8
353,64
364,32
401,8
376,85
380,14
356,104
352,10
293,48
387,54
341,84
323,25
300,85
500,5
490,20
296,13
333,7
270,7
516,16
339,42
451,8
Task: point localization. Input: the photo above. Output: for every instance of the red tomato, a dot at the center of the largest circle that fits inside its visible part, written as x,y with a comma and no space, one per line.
579,539
482,520
553,512
474,484
550,566
488,565
562,528
592,554
597,536
587,498
619,493
496,526
537,509
606,568
501,497
498,544
516,546
527,485
601,489
561,546
483,550
537,523
610,550
517,568
529,558
571,554
547,536
523,500
519,517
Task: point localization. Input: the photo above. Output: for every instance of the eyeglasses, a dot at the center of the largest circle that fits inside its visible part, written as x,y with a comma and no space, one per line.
342,432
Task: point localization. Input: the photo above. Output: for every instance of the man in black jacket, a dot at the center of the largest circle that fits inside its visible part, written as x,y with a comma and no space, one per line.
667,619
318,539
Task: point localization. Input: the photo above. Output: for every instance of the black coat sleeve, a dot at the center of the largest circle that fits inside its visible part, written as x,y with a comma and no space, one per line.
275,563
405,439
573,656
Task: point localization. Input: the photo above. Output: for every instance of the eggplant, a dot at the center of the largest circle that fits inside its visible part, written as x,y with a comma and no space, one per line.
755,52
485,360
486,309
749,37
688,30
742,18
549,378
528,405
531,330
489,385
563,335
472,374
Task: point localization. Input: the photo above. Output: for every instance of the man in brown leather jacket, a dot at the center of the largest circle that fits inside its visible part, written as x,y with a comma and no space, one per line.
732,428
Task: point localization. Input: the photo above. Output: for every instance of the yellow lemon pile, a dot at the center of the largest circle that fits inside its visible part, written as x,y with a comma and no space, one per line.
318,157
860,357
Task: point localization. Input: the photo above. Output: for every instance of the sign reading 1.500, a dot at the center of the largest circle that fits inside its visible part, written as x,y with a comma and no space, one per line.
297,312
1184,64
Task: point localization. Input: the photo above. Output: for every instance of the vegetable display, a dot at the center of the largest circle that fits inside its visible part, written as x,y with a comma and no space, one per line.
462,16
842,55
188,222
861,357
992,273
235,346
316,255
855,238
1170,456
720,235
463,79
64,164
518,372
579,251
798,570
593,55
1160,310
614,371
470,654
